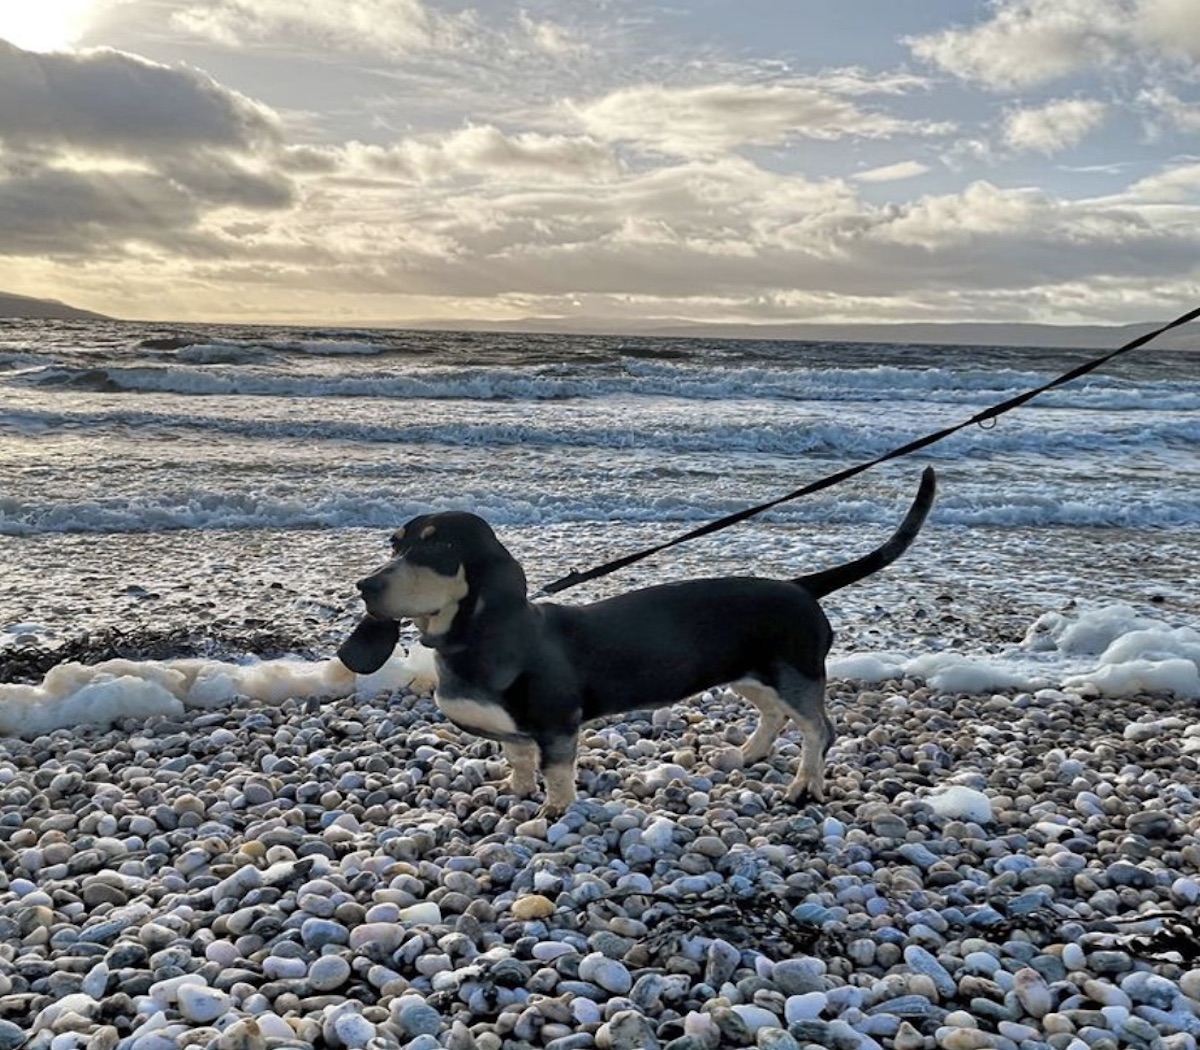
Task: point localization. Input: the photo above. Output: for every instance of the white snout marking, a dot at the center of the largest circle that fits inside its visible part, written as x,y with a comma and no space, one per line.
481,716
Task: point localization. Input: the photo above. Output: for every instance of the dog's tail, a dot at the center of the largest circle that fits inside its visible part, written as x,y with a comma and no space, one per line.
819,584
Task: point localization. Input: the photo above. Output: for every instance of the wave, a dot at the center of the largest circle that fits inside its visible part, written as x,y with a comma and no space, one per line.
382,509
212,371
16,362
859,435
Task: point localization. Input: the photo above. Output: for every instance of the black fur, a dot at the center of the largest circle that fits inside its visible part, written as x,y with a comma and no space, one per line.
531,673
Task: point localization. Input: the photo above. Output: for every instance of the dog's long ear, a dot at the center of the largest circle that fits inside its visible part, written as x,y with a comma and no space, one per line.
369,645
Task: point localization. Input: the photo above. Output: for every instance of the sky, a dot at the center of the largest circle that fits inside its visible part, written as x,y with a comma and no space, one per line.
623,162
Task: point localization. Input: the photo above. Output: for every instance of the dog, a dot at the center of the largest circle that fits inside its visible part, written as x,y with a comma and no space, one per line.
529,674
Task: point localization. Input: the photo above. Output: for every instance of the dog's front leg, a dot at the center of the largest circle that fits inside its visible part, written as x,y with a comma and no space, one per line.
558,770
522,759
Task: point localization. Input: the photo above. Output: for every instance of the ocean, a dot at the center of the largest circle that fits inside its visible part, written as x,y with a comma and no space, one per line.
223,477
213,834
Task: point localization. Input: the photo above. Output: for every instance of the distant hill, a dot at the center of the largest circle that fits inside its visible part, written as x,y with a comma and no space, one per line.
49,309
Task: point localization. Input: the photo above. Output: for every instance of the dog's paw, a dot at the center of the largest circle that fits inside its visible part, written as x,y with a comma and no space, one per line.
802,793
754,751
551,811
520,786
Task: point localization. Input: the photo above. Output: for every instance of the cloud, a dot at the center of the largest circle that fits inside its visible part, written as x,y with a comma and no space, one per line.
1178,183
986,237
377,27
1053,127
475,151
1170,26
724,229
715,118
101,149
110,102
1027,43
1165,110
429,165
552,38
905,169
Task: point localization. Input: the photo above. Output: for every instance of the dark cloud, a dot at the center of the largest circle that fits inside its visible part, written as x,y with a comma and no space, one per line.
111,102
49,211
100,149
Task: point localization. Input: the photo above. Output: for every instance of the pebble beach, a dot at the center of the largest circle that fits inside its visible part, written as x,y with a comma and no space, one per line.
989,871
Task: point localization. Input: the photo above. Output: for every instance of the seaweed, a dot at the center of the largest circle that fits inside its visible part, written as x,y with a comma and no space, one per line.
29,663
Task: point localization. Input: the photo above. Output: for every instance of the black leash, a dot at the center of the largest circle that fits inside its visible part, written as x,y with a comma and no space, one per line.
574,578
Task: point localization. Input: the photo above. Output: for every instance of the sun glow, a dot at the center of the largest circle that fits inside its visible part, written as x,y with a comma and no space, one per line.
43,25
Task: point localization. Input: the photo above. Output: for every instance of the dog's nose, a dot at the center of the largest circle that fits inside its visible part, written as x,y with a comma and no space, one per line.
370,586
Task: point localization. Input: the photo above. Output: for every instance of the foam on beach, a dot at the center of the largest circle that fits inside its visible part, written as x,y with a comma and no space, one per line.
103,694
1109,650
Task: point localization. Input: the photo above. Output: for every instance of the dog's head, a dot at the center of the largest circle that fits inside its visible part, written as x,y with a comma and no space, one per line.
439,561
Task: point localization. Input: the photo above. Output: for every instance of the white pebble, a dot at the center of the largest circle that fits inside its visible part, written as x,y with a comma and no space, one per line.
284,967
961,803
548,951
804,1007
424,912
609,974
755,1017
1074,957
166,992
659,834
198,1002
223,953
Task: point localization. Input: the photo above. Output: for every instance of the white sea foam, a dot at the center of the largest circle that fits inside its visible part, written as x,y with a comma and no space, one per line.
1140,659
958,802
1107,649
102,694
384,509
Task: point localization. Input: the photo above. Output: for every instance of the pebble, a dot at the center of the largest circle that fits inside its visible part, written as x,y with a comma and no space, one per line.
1032,992
798,976
921,961
609,974
534,906
627,1030
328,972
198,1002
755,1017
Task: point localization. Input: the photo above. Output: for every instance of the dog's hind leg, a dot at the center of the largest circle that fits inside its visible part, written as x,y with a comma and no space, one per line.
558,770
522,760
804,696
773,717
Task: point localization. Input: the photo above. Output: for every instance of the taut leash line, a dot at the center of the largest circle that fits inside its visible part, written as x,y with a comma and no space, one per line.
575,578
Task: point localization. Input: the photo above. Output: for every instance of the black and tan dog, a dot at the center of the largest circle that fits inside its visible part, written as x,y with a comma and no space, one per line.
529,674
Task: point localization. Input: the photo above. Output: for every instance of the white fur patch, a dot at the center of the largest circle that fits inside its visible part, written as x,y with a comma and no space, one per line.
481,716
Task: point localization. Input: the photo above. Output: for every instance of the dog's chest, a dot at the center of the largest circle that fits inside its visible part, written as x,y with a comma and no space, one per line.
478,715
